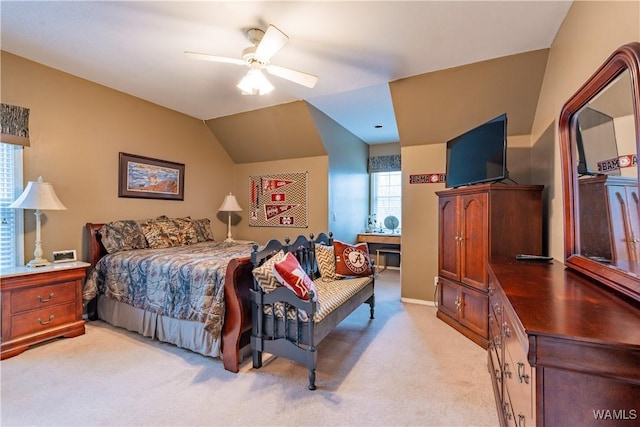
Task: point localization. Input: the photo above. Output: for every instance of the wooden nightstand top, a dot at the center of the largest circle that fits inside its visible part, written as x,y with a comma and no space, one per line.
25,271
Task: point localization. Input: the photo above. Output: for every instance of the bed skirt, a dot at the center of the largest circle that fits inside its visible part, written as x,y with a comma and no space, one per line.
182,333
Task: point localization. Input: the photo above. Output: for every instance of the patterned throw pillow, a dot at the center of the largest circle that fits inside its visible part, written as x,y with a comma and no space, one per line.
352,260
203,229
326,259
186,231
122,235
161,232
264,274
291,275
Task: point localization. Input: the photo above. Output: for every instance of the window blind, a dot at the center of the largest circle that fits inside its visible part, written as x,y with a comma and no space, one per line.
11,247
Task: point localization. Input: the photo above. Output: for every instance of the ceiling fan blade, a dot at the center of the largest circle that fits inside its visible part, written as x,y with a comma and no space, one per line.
213,58
271,43
304,79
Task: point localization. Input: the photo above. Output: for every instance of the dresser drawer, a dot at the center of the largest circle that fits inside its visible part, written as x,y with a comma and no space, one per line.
39,320
42,296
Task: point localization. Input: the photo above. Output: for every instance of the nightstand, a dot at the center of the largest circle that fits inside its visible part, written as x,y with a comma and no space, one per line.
39,304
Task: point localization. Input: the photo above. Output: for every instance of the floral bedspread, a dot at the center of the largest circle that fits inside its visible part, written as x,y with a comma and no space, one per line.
184,282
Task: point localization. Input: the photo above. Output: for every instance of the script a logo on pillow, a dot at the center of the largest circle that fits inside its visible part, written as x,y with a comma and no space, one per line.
352,260
291,275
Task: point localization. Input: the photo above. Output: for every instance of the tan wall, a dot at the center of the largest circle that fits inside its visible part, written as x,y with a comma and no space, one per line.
420,221
318,169
77,130
590,33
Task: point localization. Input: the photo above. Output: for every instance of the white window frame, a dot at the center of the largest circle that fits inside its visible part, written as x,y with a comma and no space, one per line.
18,214
381,212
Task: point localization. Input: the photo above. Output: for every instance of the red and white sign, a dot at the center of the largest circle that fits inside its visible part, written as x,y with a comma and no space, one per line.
427,178
274,184
272,211
286,220
626,161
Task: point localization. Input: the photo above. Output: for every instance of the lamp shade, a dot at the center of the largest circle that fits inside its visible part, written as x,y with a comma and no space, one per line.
38,195
230,204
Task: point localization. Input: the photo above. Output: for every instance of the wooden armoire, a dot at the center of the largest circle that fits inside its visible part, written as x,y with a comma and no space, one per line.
477,223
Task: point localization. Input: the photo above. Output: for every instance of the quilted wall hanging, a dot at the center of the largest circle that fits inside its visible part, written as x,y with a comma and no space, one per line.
279,200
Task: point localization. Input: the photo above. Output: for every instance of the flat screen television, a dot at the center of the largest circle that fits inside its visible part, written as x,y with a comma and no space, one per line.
596,144
478,155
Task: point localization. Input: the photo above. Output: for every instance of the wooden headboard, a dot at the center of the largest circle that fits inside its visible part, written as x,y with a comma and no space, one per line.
96,248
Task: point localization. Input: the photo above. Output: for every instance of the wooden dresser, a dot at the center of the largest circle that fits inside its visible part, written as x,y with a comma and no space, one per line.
39,304
563,351
477,223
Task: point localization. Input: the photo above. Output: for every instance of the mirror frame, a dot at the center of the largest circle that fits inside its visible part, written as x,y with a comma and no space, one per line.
627,57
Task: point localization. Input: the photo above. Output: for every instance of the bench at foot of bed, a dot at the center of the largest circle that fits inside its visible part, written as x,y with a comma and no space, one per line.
287,326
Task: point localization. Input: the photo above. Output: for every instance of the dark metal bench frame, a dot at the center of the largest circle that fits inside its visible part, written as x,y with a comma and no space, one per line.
295,339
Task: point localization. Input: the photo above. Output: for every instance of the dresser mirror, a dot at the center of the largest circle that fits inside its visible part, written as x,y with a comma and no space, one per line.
599,138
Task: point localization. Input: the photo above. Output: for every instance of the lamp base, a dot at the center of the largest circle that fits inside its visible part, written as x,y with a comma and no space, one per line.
229,239
41,262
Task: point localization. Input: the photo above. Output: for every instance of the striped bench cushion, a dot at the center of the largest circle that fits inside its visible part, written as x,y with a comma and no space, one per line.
330,296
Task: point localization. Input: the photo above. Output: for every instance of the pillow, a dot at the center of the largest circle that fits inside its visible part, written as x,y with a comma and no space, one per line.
122,235
264,274
161,232
352,260
291,275
186,231
202,228
326,259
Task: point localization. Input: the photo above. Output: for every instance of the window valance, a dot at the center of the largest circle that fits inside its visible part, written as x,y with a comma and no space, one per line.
14,122
385,164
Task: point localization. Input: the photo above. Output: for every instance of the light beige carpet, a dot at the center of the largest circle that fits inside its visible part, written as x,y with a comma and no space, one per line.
405,367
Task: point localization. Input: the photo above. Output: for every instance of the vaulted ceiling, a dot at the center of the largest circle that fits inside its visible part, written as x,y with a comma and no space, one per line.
355,48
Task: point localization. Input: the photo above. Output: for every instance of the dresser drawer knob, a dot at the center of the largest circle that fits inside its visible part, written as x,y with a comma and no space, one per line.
45,300
47,322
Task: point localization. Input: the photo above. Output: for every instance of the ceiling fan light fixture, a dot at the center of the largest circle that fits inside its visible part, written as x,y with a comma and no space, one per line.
255,83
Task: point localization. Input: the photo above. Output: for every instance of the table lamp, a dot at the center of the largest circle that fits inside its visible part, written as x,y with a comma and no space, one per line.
40,196
230,204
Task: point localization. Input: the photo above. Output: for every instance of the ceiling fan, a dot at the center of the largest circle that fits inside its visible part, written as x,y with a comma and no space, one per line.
258,58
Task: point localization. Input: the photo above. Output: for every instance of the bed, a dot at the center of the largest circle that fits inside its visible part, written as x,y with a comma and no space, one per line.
194,293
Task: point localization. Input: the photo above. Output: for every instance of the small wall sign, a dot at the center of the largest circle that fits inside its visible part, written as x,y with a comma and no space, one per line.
427,178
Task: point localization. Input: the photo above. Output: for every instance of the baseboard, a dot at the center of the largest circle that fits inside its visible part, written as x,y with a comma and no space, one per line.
418,301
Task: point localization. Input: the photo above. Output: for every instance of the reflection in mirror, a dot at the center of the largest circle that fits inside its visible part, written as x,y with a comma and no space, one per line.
599,138
608,178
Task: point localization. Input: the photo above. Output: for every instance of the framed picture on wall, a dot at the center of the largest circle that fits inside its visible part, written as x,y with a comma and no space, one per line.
147,178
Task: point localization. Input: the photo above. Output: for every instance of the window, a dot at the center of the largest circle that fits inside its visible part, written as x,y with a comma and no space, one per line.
11,220
386,198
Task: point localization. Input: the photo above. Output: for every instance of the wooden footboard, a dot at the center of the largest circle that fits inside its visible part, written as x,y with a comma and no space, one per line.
236,328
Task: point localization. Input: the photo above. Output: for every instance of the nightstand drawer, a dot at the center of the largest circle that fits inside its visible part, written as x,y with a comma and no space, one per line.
42,296
39,320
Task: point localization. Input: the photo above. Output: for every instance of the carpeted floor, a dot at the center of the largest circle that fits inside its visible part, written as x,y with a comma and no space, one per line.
405,367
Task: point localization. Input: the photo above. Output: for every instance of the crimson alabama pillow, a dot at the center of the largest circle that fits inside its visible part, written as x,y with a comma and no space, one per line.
352,260
291,275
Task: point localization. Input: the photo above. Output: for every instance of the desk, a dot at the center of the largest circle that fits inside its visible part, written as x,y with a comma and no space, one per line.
381,239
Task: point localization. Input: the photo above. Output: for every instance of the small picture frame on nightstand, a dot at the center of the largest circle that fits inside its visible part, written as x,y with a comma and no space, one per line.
64,256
